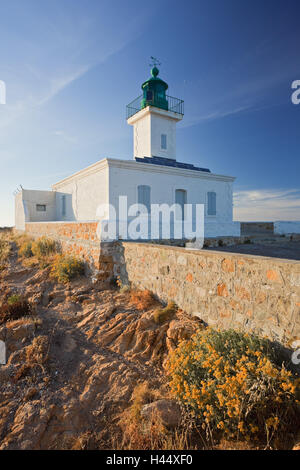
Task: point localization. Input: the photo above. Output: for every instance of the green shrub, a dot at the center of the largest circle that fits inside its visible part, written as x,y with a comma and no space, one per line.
164,314
64,268
231,383
14,299
44,247
25,249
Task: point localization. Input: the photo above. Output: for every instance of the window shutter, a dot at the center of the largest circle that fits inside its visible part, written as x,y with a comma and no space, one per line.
211,203
144,196
180,199
63,205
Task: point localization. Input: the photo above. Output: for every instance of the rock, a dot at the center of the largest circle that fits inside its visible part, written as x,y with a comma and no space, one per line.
178,331
35,299
168,411
69,343
45,299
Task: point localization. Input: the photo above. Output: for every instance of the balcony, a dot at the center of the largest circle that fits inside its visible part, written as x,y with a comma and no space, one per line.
168,103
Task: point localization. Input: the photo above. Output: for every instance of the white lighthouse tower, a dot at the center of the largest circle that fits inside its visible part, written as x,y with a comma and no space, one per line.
153,116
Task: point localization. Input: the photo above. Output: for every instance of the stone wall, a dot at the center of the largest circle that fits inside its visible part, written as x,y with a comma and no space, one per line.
76,238
225,290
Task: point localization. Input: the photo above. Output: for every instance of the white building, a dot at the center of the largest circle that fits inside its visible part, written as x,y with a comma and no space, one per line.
154,176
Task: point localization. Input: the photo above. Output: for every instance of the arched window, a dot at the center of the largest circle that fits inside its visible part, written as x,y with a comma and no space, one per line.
180,199
211,203
144,196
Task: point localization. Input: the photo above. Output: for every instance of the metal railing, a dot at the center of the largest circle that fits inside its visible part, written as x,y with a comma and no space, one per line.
174,104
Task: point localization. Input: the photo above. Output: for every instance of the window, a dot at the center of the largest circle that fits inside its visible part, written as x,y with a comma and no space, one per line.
63,205
149,96
144,196
41,207
211,203
180,199
163,142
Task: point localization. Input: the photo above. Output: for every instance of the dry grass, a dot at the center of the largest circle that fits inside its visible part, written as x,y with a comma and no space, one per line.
14,308
24,321
31,262
5,250
36,357
139,433
22,372
44,247
142,299
162,315
25,250
32,392
19,239
84,441
37,351
40,252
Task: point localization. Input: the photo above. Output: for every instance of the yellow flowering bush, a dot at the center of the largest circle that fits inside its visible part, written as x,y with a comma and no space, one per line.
64,268
232,383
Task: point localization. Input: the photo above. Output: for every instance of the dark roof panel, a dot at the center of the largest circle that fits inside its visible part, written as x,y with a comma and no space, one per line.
172,163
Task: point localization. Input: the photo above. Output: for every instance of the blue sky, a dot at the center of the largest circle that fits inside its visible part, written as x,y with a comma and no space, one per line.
71,66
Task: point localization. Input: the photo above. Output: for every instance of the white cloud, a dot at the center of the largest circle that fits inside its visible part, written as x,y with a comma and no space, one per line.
267,205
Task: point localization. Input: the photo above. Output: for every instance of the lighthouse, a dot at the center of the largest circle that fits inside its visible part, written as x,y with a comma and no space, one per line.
153,178
154,116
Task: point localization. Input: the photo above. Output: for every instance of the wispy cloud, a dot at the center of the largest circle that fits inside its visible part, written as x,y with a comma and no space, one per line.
57,84
66,137
59,59
268,205
218,114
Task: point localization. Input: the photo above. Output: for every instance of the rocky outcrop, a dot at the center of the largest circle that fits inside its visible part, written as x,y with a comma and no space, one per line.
72,366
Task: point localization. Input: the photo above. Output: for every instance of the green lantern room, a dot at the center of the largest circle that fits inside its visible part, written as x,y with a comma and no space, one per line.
154,91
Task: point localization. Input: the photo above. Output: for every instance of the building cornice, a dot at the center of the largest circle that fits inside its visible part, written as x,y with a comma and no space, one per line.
146,167
152,168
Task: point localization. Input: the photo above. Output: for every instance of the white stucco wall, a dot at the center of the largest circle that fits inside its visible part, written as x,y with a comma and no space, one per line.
142,136
20,216
26,210
84,191
162,125
286,227
148,126
106,180
126,176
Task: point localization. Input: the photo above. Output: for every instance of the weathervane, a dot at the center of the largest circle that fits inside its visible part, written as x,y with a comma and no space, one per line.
154,62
